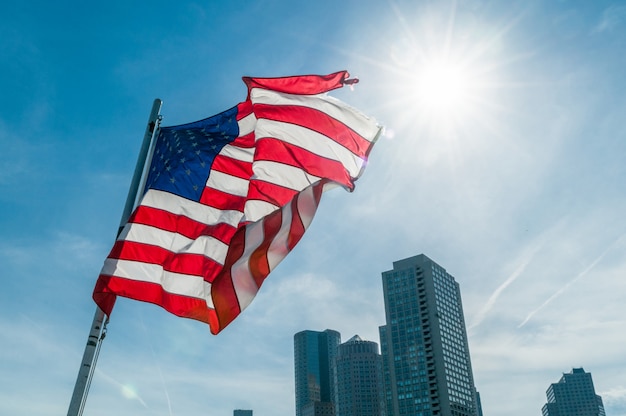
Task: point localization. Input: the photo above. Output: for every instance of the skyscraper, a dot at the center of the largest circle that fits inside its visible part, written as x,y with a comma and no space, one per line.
426,362
573,395
359,379
314,354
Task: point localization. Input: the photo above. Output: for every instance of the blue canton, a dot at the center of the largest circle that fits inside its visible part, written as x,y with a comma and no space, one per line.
183,155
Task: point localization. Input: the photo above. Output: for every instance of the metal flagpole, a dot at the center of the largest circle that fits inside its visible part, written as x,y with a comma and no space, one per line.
98,326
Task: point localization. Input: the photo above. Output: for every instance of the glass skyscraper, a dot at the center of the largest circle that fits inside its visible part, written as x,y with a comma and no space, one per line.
426,362
573,395
314,355
359,379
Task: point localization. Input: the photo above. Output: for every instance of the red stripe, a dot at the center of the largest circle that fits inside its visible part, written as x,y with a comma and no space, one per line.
258,263
222,200
244,109
185,263
269,192
184,306
275,150
304,84
296,230
245,142
180,224
103,296
232,167
318,121
297,227
222,290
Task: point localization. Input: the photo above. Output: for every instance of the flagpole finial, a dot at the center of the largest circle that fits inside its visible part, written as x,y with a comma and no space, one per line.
350,81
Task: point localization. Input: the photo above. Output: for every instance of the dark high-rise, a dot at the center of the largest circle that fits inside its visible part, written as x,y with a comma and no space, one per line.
314,355
359,379
573,395
426,362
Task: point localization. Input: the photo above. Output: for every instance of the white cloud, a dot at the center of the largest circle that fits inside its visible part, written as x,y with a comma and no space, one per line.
615,400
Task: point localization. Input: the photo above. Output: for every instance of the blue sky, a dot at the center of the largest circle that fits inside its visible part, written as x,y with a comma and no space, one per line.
513,181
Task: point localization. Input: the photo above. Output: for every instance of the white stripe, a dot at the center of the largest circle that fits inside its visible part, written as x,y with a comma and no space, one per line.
204,245
283,175
228,183
246,124
312,141
190,209
307,206
244,154
278,248
254,209
176,283
365,126
243,282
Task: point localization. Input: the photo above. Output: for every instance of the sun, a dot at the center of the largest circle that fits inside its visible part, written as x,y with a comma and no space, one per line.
445,97
442,89
443,86
446,81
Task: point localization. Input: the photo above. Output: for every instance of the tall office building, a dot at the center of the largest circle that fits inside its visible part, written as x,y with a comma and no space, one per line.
426,362
573,395
359,379
314,355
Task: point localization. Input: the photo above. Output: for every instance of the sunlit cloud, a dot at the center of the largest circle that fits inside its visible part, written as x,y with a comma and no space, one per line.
615,397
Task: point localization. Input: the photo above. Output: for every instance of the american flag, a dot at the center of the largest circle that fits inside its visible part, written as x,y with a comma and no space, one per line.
228,197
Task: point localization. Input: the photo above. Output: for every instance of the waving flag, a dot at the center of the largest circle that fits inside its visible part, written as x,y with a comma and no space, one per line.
228,197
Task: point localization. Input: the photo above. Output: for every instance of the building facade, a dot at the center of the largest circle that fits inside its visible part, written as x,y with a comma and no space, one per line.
318,409
573,395
358,379
314,355
426,361
240,412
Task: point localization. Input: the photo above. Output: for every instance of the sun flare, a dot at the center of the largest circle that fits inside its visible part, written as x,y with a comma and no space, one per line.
442,88
447,85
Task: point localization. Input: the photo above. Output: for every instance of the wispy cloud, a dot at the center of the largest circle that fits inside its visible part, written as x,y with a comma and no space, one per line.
612,17
64,250
15,157
527,257
158,366
571,282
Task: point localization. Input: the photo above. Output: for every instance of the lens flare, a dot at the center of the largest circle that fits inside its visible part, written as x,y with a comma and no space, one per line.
129,391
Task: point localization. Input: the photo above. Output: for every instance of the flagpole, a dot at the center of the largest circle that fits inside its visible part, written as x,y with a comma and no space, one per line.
100,320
